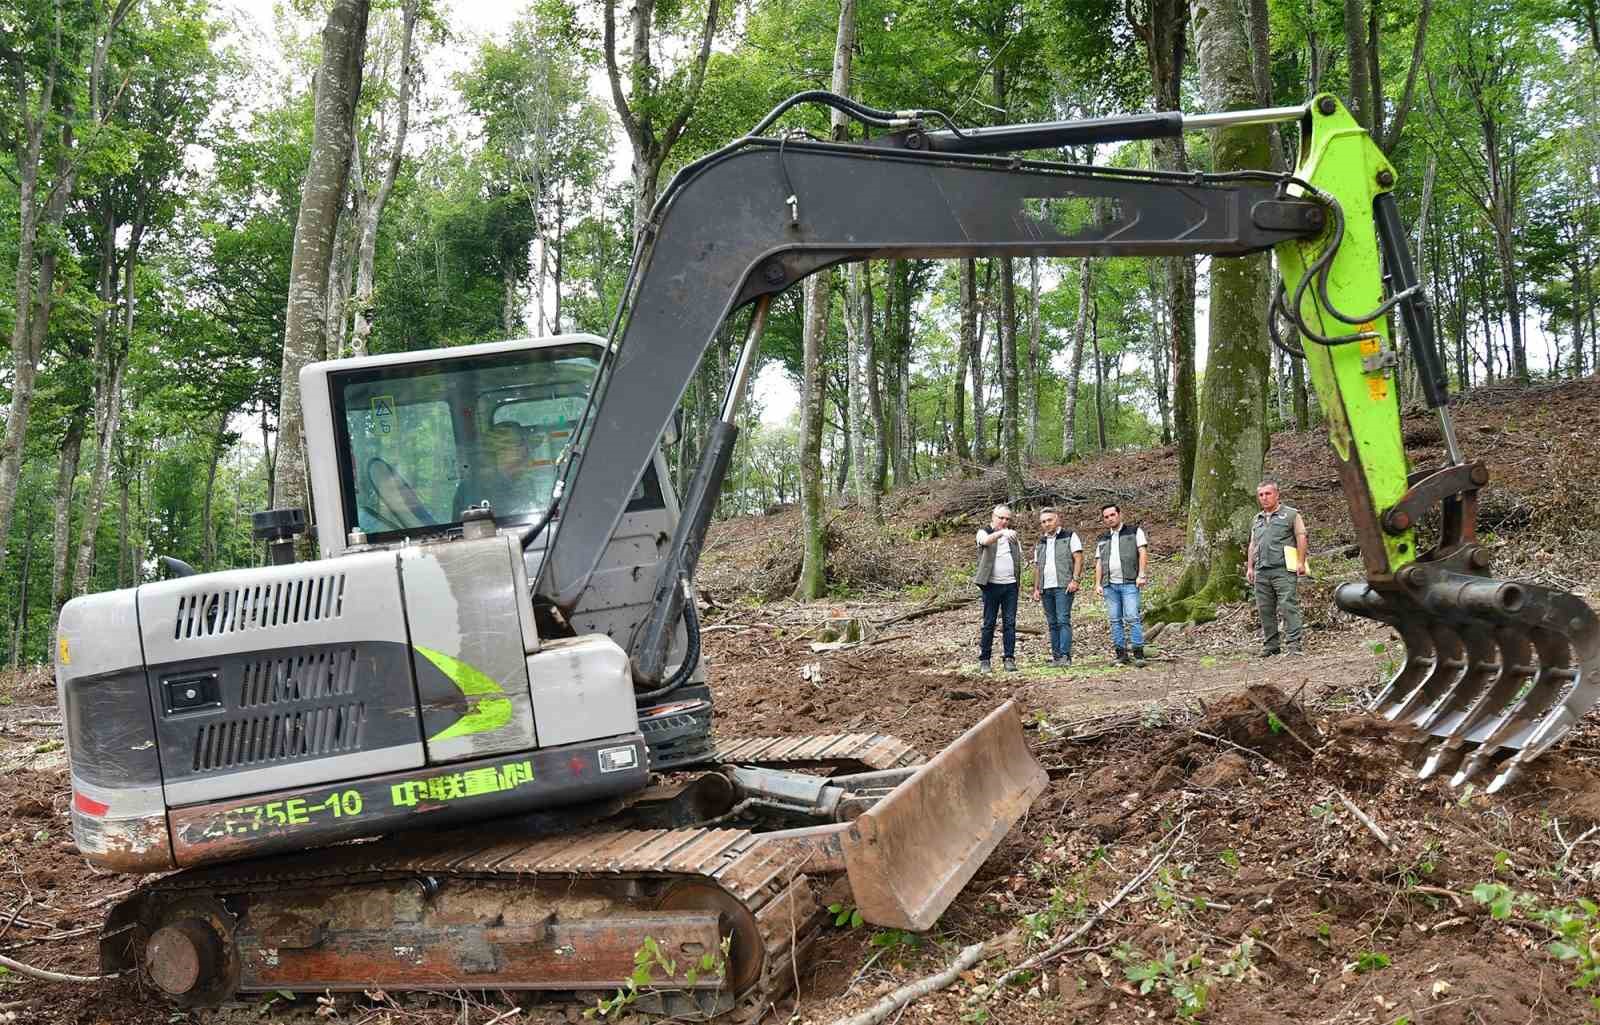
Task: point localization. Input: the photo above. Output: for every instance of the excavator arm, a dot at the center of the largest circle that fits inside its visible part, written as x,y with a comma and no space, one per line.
1495,670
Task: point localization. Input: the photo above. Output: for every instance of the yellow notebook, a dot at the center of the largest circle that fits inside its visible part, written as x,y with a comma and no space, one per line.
1291,559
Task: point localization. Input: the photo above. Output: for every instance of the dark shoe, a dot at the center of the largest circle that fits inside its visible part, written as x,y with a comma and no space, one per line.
1138,655
1122,657
1010,664
1269,652
984,666
1294,649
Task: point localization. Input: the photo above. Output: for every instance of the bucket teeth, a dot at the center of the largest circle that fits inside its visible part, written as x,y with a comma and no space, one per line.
1495,672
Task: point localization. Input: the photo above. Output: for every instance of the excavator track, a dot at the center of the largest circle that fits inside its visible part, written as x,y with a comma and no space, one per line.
506,908
488,911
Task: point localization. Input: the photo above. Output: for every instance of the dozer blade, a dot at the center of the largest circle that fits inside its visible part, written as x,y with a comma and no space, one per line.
910,854
1495,672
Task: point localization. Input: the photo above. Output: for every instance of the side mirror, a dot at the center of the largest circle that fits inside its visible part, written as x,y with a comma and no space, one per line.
674,430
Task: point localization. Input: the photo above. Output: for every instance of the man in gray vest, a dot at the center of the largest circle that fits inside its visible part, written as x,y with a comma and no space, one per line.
999,569
1121,568
1057,561
1274,565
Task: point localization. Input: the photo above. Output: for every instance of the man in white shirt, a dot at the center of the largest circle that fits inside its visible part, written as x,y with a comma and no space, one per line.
999,568
1057,561
1121,565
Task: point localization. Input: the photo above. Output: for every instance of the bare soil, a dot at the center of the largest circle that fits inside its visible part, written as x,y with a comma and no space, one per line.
1273,899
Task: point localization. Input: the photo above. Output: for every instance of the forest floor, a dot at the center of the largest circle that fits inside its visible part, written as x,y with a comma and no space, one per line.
1265,897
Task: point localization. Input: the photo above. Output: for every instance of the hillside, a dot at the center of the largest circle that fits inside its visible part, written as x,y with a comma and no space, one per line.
1264,897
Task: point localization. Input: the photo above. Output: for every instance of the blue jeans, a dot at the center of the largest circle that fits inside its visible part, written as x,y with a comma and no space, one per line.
1122,606
998,599
1058,616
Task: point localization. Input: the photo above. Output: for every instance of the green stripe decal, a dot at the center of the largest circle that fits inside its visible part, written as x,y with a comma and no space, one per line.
490,708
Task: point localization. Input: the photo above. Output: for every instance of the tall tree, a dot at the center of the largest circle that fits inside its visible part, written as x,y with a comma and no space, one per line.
813,567
338,89
369,204
40,55
1162,26
1232,440
656,105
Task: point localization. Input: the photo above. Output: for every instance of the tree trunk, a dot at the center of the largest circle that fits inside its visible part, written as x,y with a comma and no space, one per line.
880,450
1099,374
1080,330
327,173
1232,442
208,536
653,120
1031,448
19,634
71,447
1355,42
813,566
340,272
1010,436
980,434
366,252
108,391
969,334
905,468
1165,37
860,353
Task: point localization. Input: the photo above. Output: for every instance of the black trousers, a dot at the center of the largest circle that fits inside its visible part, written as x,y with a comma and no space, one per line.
998,599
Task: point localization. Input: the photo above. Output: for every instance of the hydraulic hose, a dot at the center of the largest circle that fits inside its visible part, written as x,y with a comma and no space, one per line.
691,656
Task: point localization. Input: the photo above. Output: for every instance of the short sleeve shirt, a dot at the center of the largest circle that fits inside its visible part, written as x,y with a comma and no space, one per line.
1048,577
1005,568
1121,574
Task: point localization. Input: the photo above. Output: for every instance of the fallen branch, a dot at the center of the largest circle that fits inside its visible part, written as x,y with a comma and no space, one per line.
1061,947
948,605
1372,827
916,990
45,974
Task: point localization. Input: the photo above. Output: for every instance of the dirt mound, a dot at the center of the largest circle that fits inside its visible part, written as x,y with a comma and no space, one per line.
1263,719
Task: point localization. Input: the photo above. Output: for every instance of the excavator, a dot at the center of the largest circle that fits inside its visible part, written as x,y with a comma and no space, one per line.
470,746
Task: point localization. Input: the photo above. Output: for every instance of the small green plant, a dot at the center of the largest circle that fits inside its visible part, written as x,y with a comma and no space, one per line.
1370,961
1040,926
649,959
1502,862
1577,930
895,944
1274,723
845,916
1181,978
1230,858
1378,647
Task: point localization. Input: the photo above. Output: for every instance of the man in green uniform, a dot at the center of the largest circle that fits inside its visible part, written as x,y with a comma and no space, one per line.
1276,562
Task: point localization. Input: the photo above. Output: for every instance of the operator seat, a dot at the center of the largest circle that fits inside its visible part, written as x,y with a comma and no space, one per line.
397,502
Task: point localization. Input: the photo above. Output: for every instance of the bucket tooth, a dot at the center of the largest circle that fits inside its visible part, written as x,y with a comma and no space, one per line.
1496,670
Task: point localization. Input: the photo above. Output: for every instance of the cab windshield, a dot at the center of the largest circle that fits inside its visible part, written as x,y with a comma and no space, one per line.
422,442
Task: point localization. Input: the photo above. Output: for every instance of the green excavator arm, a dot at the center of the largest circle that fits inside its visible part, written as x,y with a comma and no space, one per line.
1495,671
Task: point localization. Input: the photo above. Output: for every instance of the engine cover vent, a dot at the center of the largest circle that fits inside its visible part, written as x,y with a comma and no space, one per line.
259,606
304,733
305,677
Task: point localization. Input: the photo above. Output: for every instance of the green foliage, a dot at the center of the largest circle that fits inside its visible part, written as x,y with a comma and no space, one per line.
1370,961
846,916
1181,978
653,971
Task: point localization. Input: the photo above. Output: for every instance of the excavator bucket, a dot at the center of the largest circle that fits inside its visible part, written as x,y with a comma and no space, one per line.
1495,672
909,855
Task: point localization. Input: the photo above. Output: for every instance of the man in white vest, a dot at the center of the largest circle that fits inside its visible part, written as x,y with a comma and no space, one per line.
1057,561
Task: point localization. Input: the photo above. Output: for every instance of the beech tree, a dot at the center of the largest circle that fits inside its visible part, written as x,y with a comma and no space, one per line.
338,88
